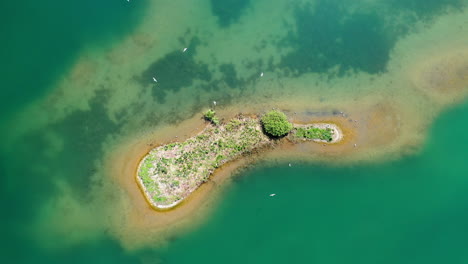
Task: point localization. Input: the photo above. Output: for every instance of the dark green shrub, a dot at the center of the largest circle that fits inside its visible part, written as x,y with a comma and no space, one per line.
276,123
209,114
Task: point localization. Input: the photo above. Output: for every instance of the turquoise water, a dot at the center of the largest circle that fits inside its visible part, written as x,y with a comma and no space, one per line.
410,210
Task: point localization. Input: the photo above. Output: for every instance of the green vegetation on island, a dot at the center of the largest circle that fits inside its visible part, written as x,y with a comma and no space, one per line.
210,115
315,133
169,173
276,123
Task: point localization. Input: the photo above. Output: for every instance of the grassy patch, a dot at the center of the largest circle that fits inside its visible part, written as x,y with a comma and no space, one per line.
233,124
171,172
315,133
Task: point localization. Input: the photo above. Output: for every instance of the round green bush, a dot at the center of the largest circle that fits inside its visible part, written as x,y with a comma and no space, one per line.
276,123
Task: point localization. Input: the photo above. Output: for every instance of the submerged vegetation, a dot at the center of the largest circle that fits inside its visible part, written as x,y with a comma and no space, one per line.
276,123
169,173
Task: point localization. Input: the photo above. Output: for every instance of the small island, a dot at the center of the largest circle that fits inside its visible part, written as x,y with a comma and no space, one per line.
170,173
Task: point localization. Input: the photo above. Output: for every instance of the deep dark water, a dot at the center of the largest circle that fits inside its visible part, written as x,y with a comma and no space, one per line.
323,40
228,11
426,9
41,39
174,71
328,34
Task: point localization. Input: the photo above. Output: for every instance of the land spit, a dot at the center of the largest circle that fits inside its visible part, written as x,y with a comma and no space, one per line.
170,173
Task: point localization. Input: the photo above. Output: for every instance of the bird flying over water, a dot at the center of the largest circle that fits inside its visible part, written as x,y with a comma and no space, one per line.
154,79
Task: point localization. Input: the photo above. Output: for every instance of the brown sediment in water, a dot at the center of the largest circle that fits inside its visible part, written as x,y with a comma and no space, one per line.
444,76
83,72
141,43
384,124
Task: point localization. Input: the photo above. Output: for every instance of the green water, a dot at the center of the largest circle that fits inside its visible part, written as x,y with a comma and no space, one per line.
42,38
409,210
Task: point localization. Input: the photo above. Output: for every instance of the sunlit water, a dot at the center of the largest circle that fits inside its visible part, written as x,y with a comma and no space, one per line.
78,83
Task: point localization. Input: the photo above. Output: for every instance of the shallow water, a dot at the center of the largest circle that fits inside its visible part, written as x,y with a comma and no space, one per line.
78,86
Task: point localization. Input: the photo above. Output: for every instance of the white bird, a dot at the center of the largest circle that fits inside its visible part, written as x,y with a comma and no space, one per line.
273,194
214,102
154,79
185,49
355,145
289,164
261,74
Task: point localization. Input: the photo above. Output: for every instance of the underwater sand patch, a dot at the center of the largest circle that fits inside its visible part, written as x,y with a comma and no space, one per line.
83,72
138,45
383,124
143,40
444,77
